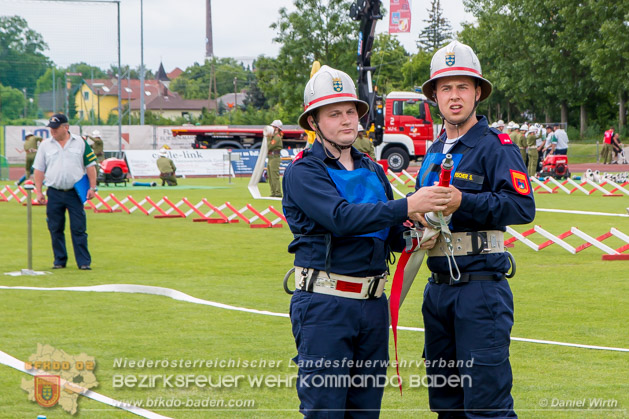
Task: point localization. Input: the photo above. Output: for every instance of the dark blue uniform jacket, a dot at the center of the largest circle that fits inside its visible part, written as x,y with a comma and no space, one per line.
496,191
322,201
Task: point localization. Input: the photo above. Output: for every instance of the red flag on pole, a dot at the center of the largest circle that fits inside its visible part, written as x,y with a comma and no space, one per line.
399,16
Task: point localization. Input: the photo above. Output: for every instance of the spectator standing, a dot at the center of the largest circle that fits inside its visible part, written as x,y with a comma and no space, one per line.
606,151
61,162
562,141
275,147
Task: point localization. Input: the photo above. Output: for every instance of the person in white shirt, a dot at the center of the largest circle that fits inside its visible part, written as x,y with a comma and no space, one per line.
61,162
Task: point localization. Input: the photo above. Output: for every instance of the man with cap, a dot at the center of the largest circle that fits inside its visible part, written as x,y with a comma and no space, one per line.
340,208
61,162
274,158
31,142
468,305
500,125
97,145
363,143
166,168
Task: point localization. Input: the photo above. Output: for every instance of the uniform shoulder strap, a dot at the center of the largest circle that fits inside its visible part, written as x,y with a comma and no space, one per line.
503,137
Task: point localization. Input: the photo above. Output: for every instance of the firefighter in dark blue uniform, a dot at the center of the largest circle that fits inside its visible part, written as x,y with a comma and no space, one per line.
468,304
340,208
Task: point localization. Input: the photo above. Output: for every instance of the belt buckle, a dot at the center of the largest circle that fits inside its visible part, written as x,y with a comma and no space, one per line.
410,236
374,284
483,246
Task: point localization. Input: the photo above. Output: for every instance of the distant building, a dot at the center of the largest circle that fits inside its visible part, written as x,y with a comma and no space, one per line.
173,106
99,98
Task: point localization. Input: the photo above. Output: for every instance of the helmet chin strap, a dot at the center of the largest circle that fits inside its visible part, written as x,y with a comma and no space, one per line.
340,148
458,125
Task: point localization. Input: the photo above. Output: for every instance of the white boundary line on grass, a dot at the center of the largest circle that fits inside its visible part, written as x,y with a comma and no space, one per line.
12,362
180,296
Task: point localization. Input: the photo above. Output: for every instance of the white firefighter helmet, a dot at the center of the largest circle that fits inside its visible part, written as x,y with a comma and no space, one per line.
96,133
360,127
329,86
162,152
494,125
515,126
277,124
28,134
455,59
532,130
500,123
524,127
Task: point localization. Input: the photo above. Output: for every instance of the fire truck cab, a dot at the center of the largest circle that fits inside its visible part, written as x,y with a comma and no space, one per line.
408,129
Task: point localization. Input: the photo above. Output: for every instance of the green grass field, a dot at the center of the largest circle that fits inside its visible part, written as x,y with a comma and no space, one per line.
558,297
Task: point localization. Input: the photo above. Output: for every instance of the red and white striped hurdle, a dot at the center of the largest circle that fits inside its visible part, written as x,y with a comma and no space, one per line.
610,253
551,185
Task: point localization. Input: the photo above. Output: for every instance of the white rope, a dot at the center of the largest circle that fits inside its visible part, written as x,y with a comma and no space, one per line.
180,296
12,362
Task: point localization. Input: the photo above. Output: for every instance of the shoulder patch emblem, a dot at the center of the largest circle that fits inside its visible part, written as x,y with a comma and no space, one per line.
299,156
520,182
505,139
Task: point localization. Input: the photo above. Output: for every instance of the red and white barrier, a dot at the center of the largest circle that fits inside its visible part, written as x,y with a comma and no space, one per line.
552,185
610,253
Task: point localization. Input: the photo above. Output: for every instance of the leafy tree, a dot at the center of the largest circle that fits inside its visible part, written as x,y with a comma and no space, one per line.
388,55
255,97
194,82
416,70
307,35
22,60
11,103
44,83
530,51
606,52
127,71
438,30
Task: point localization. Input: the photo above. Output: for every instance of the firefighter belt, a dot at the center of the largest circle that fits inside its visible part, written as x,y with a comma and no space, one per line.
471,243
358,288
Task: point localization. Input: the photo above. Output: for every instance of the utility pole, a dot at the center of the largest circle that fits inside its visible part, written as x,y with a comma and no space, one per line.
54,92
141,66
235,92
25,101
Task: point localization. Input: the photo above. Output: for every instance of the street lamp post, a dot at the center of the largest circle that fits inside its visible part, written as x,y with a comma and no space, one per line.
98,86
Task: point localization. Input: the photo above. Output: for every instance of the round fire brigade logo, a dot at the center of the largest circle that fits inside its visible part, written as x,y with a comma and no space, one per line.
450,59
337,84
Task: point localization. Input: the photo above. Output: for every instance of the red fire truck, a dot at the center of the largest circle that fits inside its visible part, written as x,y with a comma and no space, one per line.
408,131
237,136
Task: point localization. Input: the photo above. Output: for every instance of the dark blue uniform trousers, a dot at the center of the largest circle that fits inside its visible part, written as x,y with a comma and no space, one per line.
335,336
58,202
469,323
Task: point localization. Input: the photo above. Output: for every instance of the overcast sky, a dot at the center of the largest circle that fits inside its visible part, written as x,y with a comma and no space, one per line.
174,30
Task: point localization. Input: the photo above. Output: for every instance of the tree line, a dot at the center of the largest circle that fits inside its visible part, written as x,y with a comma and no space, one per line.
557,60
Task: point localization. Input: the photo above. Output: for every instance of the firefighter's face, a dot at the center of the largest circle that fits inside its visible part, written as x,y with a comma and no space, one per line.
456,96
339,122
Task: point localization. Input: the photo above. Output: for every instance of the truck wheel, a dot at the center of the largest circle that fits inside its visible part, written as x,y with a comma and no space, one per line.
397,158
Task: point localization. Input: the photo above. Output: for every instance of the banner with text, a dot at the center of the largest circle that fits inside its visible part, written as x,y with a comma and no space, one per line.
399,16
200,162
134,137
